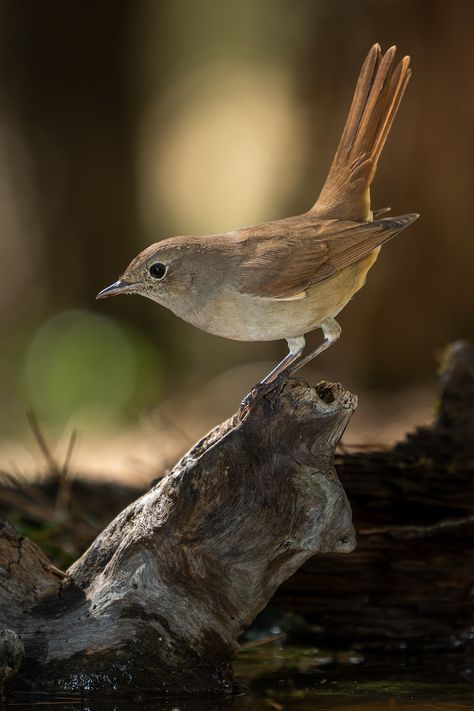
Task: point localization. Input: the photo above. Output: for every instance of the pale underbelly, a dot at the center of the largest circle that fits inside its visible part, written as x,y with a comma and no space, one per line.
250,318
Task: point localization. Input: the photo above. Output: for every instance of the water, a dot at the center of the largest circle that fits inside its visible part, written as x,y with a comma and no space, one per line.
276,677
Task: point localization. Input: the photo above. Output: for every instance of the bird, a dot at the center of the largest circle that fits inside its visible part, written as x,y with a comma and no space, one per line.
287,277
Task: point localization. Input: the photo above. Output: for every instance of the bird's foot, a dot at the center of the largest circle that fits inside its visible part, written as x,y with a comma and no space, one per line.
260,389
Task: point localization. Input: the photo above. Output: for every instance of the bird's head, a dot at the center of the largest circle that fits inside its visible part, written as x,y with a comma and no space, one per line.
161,272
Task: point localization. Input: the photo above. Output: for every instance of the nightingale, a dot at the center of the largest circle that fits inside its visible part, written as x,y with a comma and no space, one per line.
285,278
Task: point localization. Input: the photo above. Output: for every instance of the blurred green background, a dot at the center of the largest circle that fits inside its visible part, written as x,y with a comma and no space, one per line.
128,121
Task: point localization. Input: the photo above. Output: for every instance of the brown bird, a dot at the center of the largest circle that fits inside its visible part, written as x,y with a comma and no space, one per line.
285,278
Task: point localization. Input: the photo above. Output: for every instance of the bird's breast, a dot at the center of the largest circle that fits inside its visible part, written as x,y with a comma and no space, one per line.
224,311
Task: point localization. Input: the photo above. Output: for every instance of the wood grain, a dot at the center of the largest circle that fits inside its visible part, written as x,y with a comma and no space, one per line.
158,601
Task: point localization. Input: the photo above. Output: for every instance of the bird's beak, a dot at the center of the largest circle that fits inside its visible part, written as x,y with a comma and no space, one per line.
122,286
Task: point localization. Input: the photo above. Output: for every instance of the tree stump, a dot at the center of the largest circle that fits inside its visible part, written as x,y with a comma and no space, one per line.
158,601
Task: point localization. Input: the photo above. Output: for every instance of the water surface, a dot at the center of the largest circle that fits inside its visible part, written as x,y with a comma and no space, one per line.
289,678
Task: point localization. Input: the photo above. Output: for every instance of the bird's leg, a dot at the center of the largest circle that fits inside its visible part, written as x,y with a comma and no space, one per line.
296,346
331,331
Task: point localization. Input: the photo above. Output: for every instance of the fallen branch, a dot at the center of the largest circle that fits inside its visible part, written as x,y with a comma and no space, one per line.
158,601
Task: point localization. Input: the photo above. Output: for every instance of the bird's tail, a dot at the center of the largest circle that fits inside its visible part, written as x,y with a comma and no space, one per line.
379,91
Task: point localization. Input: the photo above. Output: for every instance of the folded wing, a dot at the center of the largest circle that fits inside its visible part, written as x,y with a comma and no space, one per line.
296,260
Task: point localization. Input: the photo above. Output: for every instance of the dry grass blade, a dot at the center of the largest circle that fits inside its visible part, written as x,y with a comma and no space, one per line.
41,441
63,497
21,503
70,449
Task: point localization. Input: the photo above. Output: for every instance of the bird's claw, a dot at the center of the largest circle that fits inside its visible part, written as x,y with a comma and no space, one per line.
261,389
250,397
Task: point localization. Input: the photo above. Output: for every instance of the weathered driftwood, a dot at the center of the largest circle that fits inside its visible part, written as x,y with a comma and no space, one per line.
410,583
156,604
11,656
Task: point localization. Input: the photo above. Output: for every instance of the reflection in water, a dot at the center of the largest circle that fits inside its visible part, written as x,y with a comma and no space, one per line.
208,704
305,679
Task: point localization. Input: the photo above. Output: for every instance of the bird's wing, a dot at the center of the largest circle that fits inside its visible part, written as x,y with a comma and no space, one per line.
381,211
287,257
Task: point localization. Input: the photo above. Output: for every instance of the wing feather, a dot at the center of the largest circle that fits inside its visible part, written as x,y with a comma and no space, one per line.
283,265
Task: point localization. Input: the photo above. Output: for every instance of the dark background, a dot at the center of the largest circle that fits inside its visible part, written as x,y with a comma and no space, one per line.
128,121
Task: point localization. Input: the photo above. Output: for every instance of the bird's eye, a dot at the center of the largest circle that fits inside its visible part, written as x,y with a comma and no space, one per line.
158,270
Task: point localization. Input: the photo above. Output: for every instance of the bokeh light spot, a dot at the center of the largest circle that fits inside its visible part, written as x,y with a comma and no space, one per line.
80,365
216,149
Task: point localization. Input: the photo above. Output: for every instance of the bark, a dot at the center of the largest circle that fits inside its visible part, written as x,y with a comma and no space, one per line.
11,655
410,582
158,601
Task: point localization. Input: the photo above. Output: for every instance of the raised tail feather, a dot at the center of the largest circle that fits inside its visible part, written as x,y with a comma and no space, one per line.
379,91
